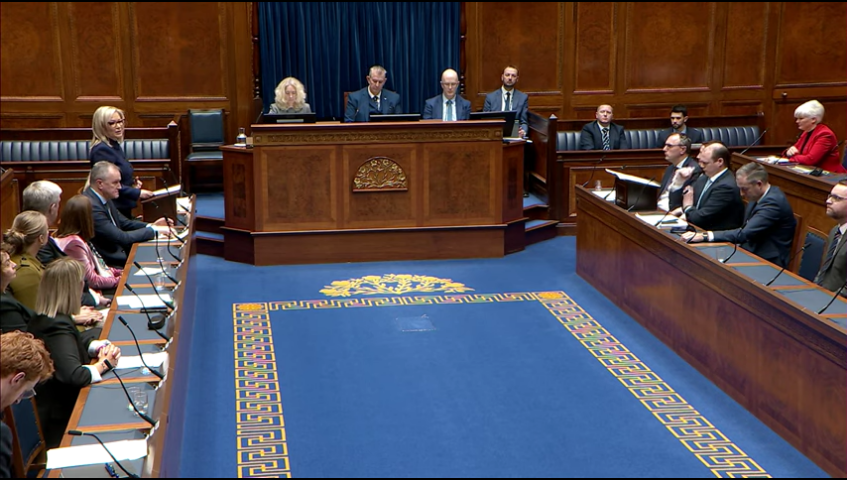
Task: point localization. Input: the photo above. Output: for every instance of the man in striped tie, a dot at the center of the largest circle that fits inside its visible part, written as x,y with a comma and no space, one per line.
833,272
602,134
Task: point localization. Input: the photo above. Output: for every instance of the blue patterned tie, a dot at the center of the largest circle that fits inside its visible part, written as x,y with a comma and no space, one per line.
606,144
449,110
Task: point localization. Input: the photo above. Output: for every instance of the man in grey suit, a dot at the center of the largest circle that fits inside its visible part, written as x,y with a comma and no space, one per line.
449,106
769,223
508,98
602,134
372,99
679,117
833,272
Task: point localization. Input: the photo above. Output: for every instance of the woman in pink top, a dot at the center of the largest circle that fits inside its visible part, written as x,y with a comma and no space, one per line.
76,228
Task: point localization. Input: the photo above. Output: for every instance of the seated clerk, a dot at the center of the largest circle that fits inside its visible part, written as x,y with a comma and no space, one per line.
449,106
44,196
508,98
372,99
677,150
75,232
26,237
769,223
72,352
114,234
13,314
817,145
713,201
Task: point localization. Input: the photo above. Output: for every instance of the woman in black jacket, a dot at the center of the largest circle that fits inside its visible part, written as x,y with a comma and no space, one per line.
71,351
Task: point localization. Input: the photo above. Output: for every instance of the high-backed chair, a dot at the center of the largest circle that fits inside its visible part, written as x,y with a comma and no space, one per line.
205,162
812,258
27,440
797,242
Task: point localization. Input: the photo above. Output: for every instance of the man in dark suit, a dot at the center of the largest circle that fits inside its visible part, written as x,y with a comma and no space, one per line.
678,153
602,134
114,234
769,223
449,106
833,272
508,98
713,201
372,99
679,117
26,362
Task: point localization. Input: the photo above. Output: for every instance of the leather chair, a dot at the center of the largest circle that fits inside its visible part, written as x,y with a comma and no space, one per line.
206,159
812,258
27,440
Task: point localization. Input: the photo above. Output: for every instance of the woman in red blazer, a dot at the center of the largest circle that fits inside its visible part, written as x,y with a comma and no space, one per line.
817,145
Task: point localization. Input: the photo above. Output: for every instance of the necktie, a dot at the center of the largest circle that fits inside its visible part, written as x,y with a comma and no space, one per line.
508,101
708,184
830,254
375,98
606,144
109,211
449,110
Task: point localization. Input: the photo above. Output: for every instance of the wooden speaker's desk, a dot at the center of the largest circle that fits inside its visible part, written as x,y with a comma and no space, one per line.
325,193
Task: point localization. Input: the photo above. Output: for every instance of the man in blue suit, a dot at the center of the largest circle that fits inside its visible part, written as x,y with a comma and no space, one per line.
602,134
449,106
769,223
508,98
373,99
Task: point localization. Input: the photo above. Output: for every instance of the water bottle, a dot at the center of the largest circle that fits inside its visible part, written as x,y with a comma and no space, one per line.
241,139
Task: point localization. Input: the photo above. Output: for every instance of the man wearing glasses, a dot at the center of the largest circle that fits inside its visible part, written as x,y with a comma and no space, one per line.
678,153
833,272
24,362
769,223
449,106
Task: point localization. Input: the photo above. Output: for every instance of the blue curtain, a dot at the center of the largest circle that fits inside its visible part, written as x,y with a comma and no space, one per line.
329,46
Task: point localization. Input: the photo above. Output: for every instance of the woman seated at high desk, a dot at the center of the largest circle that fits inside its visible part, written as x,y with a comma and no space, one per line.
817,145
290,98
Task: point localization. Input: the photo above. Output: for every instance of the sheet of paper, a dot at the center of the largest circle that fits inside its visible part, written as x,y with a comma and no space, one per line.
633,178
802,168
668,221
606,194
154,360
183,204
149,301
149,271
92,454
773,159
167,191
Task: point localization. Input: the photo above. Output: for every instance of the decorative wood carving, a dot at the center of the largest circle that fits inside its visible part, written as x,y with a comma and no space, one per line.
380,174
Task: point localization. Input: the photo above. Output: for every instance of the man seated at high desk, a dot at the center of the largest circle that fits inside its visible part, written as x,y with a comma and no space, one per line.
449,106
114,234
507,98
769,223
713,201
373,99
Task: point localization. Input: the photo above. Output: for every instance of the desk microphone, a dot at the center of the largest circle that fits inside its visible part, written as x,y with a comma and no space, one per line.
832,299
159,259
643,188
594,169
171,253
788,263
155,326
78,433
755,142
174,179
152,284
734,249
137,346
139,412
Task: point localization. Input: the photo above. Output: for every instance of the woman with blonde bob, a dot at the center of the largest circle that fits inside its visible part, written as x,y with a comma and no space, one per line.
76,229
72,352
108,126
26,237
290,97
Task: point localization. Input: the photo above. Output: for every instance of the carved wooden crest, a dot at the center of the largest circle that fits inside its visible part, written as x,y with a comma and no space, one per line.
380,174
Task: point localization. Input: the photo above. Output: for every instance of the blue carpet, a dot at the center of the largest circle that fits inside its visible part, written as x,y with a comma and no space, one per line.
497,389
210,205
